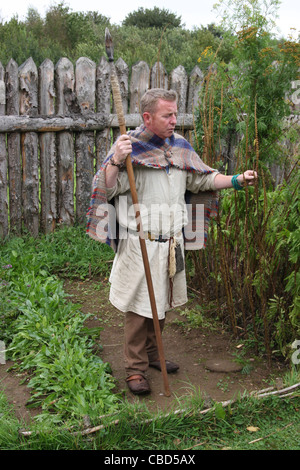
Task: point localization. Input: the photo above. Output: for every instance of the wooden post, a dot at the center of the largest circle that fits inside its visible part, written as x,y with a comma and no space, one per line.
14,150
48,164
195,85
159,77
103,106
85,86
65,105
139,84
3,165
179,83
28,85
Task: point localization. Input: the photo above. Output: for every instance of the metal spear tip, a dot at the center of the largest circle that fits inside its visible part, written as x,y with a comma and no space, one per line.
109,45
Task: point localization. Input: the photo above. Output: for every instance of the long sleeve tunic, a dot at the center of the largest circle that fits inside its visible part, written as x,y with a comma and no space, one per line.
161,195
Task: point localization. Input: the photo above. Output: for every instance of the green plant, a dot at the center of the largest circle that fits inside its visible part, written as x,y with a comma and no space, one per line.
46,336
252,257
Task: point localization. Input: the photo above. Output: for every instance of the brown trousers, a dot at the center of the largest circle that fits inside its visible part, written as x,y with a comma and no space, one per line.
140,346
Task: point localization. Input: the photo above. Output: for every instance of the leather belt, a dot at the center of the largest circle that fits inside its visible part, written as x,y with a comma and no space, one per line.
155,238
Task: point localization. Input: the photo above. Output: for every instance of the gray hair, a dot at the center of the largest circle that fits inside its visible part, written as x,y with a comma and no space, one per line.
151,97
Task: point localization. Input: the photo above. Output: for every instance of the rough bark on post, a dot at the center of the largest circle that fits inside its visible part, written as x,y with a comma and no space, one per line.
122,73
65,105
103,93
85,84
14,150
48,165
179,83
195,85
3,164
139,84
28,84
159,77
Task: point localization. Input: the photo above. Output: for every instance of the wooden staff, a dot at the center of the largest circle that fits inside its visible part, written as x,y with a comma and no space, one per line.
121,120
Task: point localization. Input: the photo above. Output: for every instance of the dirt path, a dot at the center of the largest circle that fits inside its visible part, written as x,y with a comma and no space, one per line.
193,349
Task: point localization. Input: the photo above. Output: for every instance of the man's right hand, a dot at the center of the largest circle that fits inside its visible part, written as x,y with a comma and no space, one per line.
123,148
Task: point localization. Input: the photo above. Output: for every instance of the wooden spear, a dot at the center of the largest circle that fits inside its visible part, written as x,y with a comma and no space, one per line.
121,120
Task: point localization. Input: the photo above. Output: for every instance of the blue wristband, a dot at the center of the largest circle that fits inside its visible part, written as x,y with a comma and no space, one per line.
235,182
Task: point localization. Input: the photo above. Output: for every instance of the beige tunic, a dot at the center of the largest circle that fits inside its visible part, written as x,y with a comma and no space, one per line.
161,196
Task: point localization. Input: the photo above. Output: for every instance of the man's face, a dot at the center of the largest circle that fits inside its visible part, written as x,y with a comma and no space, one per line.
162,122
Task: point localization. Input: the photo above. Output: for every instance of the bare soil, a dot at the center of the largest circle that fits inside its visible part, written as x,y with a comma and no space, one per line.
195,350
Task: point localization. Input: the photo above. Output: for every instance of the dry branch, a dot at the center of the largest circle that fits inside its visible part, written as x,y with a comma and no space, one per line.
224,404
268,435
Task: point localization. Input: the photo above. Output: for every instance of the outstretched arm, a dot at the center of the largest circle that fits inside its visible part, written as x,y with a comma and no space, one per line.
245,179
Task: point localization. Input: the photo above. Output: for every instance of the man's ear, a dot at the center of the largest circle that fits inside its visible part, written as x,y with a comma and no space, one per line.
146,118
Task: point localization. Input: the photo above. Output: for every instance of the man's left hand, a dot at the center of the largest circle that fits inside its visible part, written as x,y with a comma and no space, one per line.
247,178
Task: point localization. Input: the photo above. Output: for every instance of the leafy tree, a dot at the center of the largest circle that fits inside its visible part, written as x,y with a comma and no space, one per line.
34,22
152,18
237,14
205,37
56,26
215,30
19,43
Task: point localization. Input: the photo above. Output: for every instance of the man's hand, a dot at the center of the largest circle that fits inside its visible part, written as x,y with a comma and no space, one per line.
247,178
123,148
225,181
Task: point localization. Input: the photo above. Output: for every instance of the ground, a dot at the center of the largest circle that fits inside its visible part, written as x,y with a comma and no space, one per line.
196,351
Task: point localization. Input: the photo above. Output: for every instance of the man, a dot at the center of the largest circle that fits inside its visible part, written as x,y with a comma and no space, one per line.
166,170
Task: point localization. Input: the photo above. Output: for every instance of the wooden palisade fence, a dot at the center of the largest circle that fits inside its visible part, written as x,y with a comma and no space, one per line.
56,124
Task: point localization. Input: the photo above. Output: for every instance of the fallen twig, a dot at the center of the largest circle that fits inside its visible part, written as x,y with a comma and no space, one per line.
196,445
256,394
277,392
268,435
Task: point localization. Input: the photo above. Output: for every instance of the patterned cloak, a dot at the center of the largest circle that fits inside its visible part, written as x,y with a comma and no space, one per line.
150,150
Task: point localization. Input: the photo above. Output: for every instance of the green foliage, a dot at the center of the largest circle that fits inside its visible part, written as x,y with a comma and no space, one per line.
248,97
252,259
237,14
251,264
63,33
172,47
152,18
45,335
249,423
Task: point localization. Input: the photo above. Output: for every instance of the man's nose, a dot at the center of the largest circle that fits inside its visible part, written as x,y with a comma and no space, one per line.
173,118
